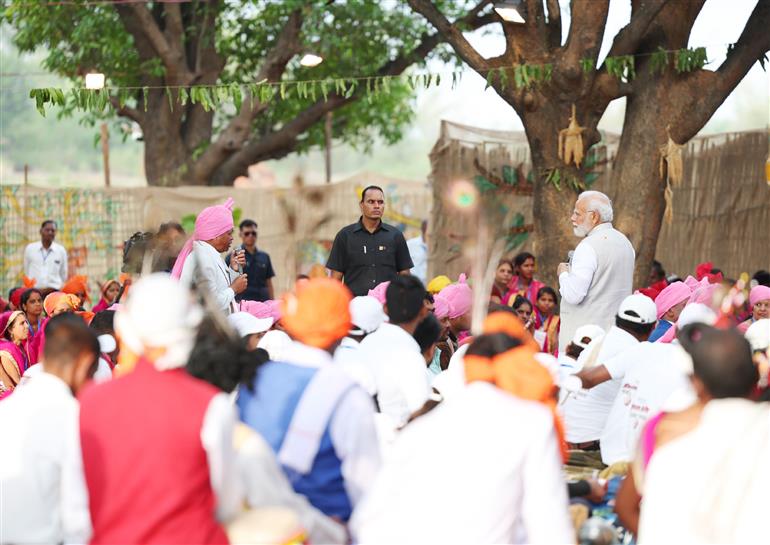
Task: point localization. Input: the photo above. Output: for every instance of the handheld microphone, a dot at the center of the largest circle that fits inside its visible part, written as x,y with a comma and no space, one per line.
570,255
240,267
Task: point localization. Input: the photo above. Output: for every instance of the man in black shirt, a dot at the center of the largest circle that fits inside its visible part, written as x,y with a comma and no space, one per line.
259,269
369,251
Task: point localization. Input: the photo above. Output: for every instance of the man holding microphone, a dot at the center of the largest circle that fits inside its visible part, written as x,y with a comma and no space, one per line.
213,235
601,270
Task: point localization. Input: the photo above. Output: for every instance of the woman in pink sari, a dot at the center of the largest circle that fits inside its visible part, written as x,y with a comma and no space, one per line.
14,354
110,290
523,282
759,303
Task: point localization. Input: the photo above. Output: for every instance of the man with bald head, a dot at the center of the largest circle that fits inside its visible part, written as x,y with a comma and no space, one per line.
601,270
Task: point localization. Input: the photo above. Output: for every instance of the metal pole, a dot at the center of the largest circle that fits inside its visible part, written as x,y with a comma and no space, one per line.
106,154
328,142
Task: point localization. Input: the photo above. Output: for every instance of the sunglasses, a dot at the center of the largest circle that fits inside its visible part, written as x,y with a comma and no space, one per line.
249,233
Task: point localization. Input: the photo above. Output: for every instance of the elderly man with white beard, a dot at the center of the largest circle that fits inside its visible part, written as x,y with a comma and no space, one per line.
600,273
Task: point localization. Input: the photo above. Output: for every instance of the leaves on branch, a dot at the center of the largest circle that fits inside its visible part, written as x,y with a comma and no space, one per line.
688,60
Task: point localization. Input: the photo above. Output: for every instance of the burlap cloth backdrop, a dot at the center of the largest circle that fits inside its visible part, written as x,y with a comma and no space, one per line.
721,210
296,226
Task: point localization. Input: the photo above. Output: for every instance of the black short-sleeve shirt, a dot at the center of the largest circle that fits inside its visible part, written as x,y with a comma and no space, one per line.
259,269
366,259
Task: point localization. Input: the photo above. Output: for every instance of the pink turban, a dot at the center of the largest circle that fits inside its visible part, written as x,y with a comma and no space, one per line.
440,307
275,309
379,292
671,296
704,294
757,294
459,296
210,223
257,309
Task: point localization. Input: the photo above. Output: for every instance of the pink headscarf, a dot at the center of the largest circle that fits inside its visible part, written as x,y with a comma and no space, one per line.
210,223
275,309
757,294
440,307
459,296
671,296
379,292
257,309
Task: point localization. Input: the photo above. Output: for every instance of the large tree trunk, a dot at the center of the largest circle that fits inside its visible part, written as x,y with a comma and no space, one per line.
639,200
166,158
552,207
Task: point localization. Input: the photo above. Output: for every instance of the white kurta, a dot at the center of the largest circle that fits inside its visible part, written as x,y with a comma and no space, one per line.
482,467
711,485
211,273
44,495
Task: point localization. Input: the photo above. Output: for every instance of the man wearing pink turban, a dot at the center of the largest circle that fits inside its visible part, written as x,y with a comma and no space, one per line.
759,302
670,302
213,235
459,298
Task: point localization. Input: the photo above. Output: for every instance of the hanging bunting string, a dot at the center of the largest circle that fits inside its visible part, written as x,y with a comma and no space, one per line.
210,96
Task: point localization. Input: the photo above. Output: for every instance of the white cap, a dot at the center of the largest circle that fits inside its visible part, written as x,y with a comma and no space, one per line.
246,324
275,343
591,331
696,313
643,309
160,313
366,314
758,335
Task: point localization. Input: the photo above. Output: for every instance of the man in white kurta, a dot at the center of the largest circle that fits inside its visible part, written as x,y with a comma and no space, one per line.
600,273
482,467
43,496
200,259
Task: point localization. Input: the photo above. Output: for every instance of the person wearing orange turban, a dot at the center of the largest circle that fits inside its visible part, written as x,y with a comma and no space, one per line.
316,418
77,285
486,460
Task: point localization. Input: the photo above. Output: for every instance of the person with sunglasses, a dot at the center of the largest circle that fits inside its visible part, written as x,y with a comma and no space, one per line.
258,268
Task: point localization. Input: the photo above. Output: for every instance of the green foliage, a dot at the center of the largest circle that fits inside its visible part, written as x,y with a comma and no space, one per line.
621,67
355,39
659,60
688,60
483,185
514,238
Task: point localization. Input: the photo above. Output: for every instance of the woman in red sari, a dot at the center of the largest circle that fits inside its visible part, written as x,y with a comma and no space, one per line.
523,282
503,276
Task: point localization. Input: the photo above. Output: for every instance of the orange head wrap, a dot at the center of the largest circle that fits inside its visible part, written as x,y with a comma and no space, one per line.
77,284
53,299
318,315
28,282
516,371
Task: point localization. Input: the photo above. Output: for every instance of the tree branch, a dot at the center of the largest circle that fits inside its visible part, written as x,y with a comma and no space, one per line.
451,34
554,24
238,130
126,111
753,43
589,19
284,140
172,56
627,40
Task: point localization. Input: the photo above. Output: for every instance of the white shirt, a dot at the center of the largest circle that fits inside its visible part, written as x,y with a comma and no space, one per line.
217,440
586,411
43,495
711,485
574,284
266,485
649,374
348,358
47,266
399,371
418,251
213,274
482,467
352,429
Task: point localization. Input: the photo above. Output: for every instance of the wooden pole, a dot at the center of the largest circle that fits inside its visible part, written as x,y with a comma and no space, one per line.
328,142
106,154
